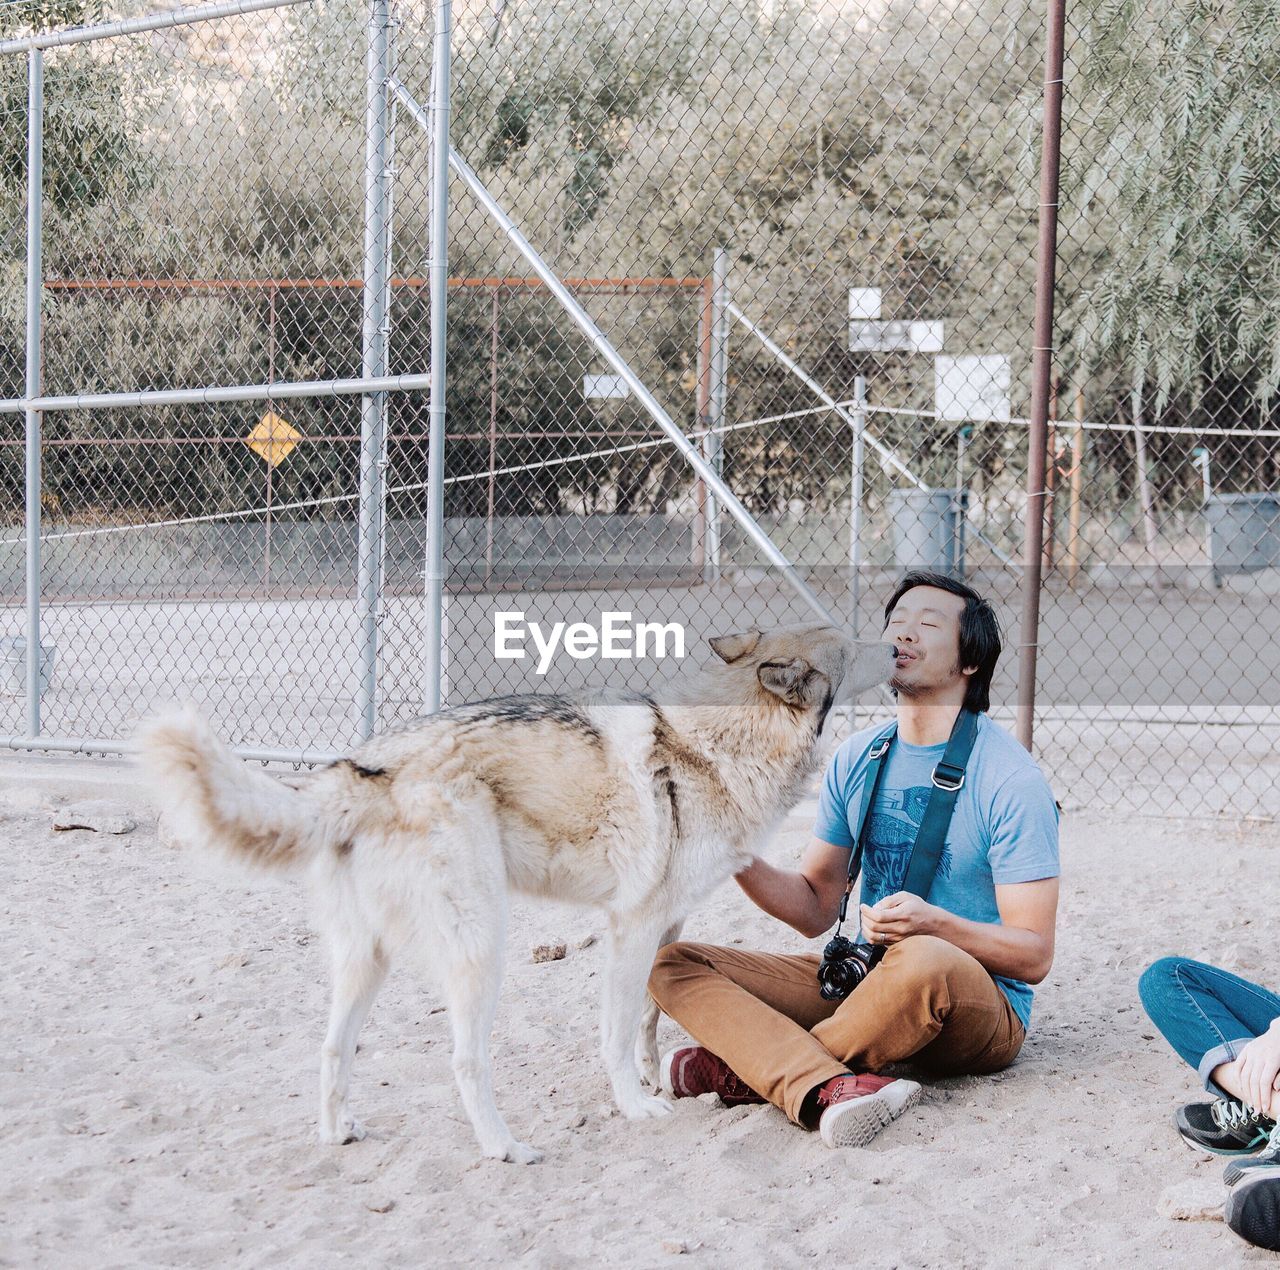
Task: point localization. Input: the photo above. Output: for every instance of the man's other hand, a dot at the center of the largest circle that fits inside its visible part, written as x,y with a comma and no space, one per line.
897,916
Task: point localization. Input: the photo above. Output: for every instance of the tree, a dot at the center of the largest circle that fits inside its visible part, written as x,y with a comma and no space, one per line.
1171,186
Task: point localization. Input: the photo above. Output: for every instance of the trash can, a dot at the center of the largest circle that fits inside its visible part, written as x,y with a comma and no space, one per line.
13,655
928,529
1244,532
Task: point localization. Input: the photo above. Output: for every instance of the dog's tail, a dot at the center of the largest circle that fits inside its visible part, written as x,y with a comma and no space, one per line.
208,796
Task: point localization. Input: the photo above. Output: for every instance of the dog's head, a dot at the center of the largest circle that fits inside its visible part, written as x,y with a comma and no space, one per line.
807,667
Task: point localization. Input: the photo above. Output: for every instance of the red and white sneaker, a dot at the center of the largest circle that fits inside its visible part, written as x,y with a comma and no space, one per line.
853,1109
688,1072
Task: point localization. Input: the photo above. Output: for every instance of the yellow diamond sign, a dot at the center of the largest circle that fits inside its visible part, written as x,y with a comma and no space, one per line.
272,439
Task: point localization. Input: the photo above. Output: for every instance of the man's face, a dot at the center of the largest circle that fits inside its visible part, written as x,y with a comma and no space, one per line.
925,628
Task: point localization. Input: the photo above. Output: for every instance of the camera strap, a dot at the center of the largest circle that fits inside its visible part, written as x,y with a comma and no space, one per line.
948,781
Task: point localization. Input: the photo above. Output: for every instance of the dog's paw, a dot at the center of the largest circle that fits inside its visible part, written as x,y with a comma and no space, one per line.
346,1130
644,1107
516,1153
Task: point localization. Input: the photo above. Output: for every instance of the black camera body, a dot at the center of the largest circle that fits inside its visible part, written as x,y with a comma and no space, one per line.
845,965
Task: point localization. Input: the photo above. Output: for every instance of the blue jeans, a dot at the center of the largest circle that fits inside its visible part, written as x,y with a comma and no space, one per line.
1206,1014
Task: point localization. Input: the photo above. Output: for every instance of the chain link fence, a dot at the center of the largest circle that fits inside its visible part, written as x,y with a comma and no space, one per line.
807,232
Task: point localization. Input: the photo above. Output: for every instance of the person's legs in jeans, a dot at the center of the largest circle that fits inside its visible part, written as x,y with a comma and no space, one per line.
1206,1014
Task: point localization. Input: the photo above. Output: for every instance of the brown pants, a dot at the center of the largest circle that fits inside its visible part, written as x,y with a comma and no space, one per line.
762,1014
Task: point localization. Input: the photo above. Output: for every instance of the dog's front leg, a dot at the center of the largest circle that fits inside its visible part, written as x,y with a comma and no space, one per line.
647,1040
632,944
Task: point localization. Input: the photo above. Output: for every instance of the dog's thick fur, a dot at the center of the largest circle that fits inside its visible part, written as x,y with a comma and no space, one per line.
412,842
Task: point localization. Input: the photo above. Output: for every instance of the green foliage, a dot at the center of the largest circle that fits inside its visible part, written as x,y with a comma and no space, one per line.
46,15
85,140
1173,176
826,147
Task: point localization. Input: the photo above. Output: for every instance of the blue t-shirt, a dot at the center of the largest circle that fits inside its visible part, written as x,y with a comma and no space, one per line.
1004,828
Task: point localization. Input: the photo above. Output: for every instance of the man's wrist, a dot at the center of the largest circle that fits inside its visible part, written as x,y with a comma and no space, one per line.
936,921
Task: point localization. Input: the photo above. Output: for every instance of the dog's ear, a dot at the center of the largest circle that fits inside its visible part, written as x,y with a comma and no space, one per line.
730,647
787,679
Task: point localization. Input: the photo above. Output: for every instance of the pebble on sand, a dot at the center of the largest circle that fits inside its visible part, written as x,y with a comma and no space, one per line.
548,952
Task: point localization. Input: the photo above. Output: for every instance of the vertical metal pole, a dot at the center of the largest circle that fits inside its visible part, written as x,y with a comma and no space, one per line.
702,415
433,571
961,504
271,379
1145,498
1051,476
491,502
1041,365
718,400
1201,455
375,330
856,496
35,210
1077,483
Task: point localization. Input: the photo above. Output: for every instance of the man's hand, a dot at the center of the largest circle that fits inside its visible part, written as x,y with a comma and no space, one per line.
897,916
1259,1066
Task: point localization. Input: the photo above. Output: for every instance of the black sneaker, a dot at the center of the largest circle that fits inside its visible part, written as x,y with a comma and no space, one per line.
1253,1210
1254,1166
1225,1127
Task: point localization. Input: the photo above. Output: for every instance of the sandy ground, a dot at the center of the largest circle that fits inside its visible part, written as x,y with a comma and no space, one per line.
162,1022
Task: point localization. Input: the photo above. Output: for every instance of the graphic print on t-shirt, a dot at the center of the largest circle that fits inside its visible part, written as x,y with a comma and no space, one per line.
891,833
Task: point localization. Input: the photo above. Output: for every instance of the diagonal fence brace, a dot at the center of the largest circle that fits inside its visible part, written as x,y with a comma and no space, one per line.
728,499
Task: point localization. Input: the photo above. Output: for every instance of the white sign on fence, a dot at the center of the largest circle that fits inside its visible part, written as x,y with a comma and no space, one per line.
604,387
973,387
864,304
870,336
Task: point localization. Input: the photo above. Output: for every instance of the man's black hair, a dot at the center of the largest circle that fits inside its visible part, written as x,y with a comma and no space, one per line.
979,632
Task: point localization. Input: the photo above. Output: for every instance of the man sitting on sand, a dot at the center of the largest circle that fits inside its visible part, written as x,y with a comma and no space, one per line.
952,990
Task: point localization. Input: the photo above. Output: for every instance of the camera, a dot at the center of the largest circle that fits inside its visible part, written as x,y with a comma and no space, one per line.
845,965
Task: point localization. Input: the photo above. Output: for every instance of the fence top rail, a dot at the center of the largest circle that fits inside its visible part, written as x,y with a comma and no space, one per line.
134,26
218,394
355,284
1089,425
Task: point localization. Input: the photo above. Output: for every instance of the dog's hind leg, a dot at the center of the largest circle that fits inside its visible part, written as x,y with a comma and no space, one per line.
471,983
359,967
471,990
464,908
633,943
647,1040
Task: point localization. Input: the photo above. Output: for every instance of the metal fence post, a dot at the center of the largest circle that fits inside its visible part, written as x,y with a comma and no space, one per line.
1077,485
1041,366
35,209
702,417
855,495
961,508
1145,499
718,401
433,569
374,332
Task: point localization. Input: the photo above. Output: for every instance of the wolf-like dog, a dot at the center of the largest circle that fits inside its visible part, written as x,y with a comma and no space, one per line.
412,842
